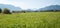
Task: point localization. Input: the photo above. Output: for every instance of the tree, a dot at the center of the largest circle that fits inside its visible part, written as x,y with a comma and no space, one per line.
0,10
6,11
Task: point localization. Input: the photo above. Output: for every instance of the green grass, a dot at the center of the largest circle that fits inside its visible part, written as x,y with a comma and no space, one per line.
30,20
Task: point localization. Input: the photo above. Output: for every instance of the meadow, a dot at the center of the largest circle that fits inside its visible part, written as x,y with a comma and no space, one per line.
30,20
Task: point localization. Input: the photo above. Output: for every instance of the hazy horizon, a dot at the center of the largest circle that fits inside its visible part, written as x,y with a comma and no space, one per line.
30,4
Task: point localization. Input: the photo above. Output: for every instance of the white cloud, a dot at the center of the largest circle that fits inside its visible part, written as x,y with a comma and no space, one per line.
16,3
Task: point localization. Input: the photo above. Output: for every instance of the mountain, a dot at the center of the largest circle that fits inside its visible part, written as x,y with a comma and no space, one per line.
11,7
51,7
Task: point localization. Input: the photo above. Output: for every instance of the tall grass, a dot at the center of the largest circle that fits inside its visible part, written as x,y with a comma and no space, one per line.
30,20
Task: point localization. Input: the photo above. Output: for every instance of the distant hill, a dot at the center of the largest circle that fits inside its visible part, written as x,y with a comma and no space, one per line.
47,8
50,8
11,7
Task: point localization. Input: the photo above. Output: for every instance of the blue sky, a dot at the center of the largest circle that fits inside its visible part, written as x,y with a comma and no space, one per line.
30,4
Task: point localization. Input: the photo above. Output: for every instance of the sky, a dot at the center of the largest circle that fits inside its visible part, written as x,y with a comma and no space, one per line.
30,4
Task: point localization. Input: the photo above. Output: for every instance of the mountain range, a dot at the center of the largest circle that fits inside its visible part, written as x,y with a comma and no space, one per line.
11,7
51,7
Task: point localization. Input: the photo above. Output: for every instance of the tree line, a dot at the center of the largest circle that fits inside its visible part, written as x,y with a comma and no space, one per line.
5,11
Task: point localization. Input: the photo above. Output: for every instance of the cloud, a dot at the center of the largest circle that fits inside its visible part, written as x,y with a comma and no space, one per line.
9,2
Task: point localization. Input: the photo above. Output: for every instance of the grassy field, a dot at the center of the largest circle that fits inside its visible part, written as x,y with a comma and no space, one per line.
30,20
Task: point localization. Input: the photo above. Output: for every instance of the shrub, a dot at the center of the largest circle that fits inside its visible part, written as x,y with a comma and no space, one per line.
6,11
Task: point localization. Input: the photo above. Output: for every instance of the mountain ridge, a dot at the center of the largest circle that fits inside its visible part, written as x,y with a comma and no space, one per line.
51,7
11,7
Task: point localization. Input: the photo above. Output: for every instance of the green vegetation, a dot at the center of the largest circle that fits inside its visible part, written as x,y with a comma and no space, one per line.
0,10
30,20
6,11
